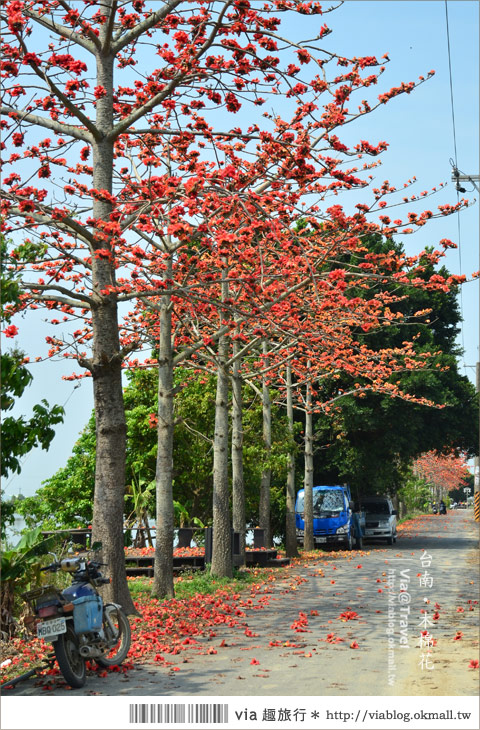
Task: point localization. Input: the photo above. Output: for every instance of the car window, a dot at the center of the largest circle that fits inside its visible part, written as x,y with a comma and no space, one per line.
331,501
381,508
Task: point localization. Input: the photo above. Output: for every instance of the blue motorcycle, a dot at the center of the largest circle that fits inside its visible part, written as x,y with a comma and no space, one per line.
77,622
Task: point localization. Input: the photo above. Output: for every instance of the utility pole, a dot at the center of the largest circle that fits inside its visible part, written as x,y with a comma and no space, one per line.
457,178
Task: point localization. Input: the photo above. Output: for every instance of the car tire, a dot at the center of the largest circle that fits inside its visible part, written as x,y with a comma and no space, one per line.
390,540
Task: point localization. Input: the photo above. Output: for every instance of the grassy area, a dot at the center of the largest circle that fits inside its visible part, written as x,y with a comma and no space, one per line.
201,582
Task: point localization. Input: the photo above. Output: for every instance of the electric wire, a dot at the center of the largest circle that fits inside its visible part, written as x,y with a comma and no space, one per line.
451,83
452,106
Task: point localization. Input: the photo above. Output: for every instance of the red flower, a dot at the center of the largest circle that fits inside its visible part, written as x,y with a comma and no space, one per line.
473,664
232,103
10,331
303,56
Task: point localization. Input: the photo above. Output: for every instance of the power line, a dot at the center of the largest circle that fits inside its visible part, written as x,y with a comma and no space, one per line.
452,107
451,83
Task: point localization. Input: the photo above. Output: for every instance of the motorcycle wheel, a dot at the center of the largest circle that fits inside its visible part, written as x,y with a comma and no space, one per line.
71,663
119,639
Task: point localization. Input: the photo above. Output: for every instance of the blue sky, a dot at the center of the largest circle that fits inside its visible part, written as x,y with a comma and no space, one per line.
418,128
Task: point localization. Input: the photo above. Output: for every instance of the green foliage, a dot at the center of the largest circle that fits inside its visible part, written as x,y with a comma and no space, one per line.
20,567
8,515
182,516
415,494
19,435
18,561
369,441
65,500
459,494
141,496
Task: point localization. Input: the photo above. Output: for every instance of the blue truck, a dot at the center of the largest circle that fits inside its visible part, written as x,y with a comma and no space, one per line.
335,523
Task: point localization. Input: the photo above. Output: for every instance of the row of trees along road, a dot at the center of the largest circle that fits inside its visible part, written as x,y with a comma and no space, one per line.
147,196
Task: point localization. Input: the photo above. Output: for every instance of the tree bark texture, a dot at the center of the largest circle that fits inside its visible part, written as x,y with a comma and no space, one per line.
106,367
264,505
290,528
163,571
222,564
238,486
222,547
308,542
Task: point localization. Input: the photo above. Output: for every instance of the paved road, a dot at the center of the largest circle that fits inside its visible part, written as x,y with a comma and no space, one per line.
383,593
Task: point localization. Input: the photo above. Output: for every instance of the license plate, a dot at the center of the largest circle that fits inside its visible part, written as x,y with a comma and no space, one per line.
320,539
47,629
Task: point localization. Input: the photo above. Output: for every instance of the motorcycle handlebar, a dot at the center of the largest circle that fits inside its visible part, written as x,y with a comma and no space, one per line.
53,567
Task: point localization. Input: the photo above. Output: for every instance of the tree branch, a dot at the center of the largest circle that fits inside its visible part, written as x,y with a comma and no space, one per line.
68,104
65,223
65,32
109,28
148,23
58,127
31,287
145,108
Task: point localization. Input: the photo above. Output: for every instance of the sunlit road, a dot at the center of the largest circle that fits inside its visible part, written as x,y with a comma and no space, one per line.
428,581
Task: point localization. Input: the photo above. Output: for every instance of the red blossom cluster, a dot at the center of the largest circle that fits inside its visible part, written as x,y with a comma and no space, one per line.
442,471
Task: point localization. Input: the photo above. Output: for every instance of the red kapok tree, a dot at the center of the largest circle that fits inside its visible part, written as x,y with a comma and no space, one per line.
443,472
134,100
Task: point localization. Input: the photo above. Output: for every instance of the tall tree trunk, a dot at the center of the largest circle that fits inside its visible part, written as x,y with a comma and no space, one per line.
222,543
163,572
264,506
290,528
106,367
238,486
308,483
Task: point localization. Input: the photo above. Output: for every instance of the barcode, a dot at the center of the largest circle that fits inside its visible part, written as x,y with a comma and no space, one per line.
198,713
